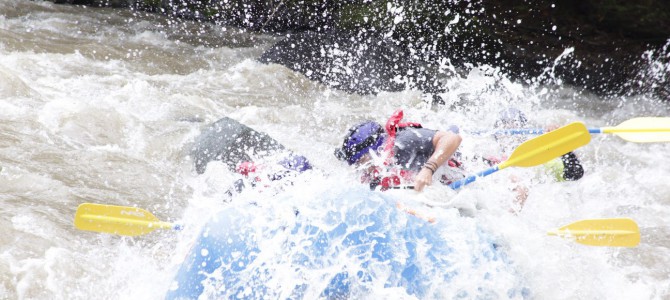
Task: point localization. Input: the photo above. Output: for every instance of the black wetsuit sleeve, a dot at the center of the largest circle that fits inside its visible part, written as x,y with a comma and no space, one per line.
572,167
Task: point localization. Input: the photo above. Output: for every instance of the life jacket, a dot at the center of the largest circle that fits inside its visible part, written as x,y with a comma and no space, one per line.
388,176
393,126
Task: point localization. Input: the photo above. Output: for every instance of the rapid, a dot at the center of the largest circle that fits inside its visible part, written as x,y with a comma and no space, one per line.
103,105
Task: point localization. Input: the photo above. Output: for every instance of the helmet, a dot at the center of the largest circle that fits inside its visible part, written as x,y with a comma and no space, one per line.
361,138
511,117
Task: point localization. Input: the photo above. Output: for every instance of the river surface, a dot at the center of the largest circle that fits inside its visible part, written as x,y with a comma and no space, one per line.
103,105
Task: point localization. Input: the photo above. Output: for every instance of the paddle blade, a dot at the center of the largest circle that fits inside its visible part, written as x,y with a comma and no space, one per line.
549,146
618,232
122,220
643,130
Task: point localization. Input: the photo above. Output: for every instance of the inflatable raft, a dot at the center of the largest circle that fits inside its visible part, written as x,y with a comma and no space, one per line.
353,244
346,242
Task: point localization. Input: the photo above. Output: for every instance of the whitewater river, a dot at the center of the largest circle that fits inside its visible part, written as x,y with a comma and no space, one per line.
103,106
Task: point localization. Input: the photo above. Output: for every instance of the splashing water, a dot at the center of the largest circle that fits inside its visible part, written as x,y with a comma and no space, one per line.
101,105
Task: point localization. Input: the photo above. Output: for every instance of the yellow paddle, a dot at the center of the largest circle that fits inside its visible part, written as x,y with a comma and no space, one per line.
122,220
132,221
619,232
640,130
637,130
539,150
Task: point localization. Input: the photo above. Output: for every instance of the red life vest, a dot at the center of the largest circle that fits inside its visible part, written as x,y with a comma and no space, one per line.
388,176
393,125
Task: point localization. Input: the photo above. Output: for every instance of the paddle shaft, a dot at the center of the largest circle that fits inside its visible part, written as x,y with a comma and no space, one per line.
636,130
460,183
457,184
591,130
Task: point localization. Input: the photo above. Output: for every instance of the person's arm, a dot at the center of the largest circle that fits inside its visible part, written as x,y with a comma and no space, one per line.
445,144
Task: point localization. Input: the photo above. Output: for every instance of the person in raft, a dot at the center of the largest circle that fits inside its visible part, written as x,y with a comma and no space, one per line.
265,174
401,153
564,168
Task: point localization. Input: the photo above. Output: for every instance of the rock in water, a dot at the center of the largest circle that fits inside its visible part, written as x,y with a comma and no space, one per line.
231,142
355,63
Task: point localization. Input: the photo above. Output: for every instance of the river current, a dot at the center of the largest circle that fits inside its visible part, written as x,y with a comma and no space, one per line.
102,105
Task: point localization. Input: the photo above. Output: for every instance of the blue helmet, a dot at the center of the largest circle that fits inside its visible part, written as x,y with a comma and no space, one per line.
361,138
511,117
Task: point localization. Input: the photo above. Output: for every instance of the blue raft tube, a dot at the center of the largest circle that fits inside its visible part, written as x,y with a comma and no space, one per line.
353,244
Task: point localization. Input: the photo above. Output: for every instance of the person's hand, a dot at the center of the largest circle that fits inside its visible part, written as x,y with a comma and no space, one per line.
424,178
